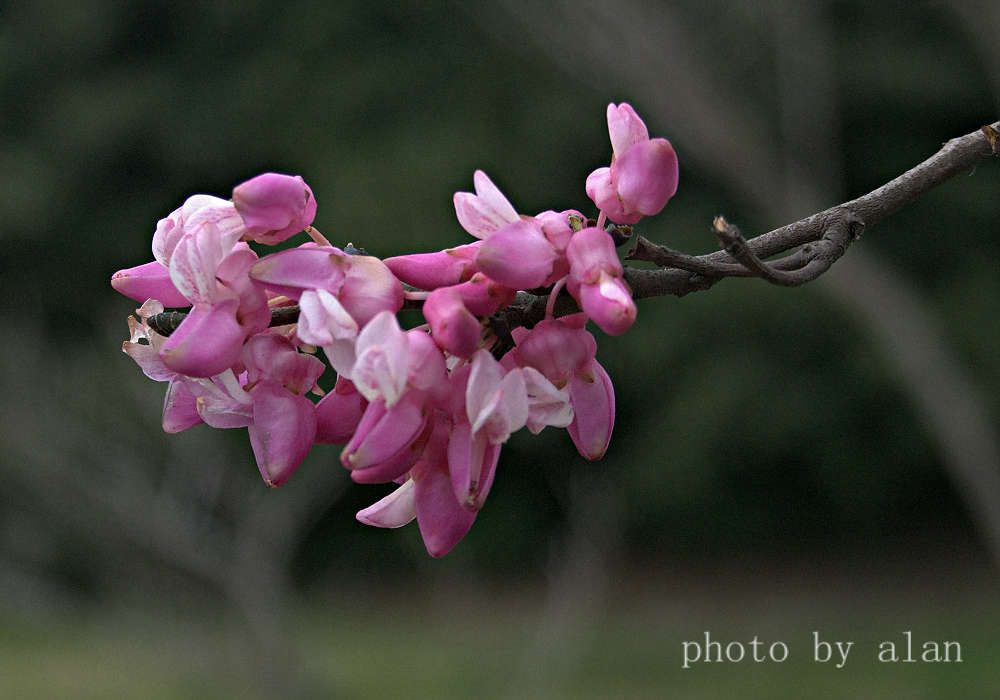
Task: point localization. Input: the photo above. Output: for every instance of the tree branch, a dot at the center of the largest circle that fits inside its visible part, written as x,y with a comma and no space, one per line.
824,236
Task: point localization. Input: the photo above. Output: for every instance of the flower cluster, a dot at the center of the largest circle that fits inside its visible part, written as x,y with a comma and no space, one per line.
427,408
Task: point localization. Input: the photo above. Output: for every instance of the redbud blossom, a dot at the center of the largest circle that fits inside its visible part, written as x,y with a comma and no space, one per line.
565,353
643,174
428,408
454,329
595,281
517,255
274,206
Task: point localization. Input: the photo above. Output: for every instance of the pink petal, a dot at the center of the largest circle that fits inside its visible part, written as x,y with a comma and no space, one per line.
482,296
149,281
517,255
646,176
443,522
625,127
486,211
222,401
590,252
339,413
602,191
197,208
283,429
453,327
608,304
369,287
180,408
547,405
380,370
208,341
432,270
472,462
290,271
593,399
395,510
384,432
325,322
274,206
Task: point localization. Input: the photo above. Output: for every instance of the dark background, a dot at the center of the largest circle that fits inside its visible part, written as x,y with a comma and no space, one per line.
781,457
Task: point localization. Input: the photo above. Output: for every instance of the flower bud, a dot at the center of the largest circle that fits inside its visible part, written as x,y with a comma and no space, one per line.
274,206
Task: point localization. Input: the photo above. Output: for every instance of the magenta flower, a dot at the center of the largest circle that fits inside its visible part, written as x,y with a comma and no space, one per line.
402,375
362,284
643,174
427,496
209,268
453,327
339,413
595,281
274,206
518,255
565,353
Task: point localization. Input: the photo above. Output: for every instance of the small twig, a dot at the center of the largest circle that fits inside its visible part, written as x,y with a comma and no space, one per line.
825,235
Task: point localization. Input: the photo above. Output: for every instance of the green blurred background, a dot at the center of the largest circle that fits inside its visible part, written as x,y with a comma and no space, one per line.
784,460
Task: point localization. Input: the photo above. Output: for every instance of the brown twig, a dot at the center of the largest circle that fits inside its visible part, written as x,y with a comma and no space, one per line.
824,236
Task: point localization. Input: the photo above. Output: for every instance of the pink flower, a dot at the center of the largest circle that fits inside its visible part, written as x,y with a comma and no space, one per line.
323,321
362,284
643,174
565,353
209,268
427,496
518,255
274,206
339,413
402,375
452,326
197,209
283,425
595,281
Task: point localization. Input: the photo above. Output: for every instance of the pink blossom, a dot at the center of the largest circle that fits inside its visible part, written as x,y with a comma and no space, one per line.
517,255
643,174
362,284
595,281
454,329
427,496
565,353
274,206
209,268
